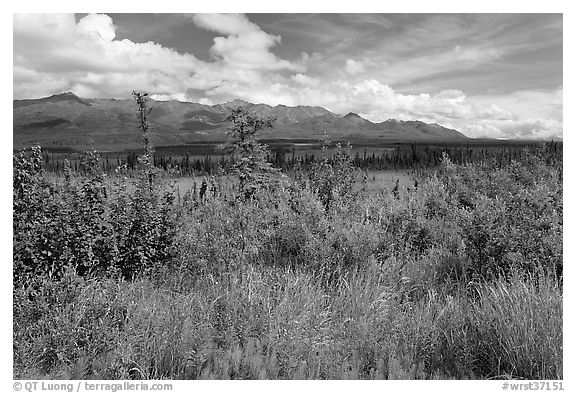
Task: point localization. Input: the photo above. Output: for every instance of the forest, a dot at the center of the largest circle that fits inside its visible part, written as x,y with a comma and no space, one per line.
305,268
210,158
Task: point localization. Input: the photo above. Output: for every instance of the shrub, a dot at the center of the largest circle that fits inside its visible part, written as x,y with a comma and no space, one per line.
57,226
332,178
459,278
80,222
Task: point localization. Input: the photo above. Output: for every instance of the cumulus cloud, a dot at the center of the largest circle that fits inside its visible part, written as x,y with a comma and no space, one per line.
379,102
354,67
229,24
182,97
84,57
529,103
54,53
514,129
99,24
246,45
305,80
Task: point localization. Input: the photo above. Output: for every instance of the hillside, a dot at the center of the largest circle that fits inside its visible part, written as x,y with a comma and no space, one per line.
66,120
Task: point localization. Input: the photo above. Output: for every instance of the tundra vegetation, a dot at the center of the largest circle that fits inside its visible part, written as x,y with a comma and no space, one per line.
307,276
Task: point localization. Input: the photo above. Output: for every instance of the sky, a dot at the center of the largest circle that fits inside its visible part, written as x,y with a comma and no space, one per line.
486,75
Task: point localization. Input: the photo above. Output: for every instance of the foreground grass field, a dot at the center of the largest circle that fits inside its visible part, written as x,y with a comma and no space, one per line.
278,323
460,277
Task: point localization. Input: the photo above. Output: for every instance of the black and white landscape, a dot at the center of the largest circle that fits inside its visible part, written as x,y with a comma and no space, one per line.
288,196
67,120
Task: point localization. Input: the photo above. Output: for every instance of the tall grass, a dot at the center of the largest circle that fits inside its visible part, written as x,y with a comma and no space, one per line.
269,323
520,328
459,278
508,329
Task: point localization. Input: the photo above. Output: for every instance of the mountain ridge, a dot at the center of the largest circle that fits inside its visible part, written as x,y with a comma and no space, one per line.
70,121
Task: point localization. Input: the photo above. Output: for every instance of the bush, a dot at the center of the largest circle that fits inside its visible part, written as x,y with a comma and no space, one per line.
332,178
80,222
459,278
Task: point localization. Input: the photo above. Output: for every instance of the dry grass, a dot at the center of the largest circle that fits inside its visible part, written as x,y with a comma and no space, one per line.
277,323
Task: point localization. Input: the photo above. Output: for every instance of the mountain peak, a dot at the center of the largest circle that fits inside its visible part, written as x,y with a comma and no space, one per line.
61,97
67,96
355,118
237,101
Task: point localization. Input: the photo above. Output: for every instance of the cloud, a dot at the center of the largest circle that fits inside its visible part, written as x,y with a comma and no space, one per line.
537,115
354,67
529,103
55,53
515,129
532,129
426,66
100,24
205,101
182,97
378,102
305,80
245,46
84,57
229,24
476,55
29,83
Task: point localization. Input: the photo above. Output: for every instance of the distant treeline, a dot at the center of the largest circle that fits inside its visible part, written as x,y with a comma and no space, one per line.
285,157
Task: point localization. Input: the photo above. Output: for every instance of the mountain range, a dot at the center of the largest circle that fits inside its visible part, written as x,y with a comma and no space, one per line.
66,120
